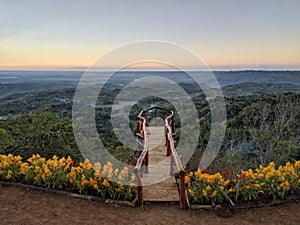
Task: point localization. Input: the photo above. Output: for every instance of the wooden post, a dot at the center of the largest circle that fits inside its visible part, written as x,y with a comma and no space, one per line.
172,125
183,203
146,161
166,135
168,147
139,188
142,135
140,126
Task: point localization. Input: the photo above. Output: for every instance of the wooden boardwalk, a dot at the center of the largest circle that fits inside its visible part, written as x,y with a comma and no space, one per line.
158,185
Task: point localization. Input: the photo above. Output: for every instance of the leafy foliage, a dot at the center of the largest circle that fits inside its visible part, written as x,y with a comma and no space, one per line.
260,128
42,132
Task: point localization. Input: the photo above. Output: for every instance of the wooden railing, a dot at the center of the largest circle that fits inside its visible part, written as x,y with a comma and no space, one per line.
171,151
143,159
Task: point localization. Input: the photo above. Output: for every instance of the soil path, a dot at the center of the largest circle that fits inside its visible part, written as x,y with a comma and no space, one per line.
20,206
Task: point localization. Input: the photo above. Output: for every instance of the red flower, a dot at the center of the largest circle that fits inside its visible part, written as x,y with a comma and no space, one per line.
206,170
243,176
72,163
226,173
130,166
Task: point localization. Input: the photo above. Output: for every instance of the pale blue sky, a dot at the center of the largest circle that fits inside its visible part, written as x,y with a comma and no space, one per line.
238,34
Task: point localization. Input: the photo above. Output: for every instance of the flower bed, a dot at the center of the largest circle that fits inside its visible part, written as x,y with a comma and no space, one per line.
268,183
63,173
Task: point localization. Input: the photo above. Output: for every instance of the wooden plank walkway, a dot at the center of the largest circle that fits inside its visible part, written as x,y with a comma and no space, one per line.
158,185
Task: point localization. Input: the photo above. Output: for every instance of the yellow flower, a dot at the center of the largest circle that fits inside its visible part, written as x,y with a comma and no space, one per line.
288,168
10,157
43,176
272,164
109,164
257,185
285,185
214,177
53,163
187,179
86,165
84,181
191,192
24,168
97,175
105,183
69,160
297,164
61,162
133,176
46,170
78,169
18,160
208,188
198,173
250,173
120,187
97,166
9,174
116,172
226,182
214,194
37,169
72,175
108,170
132,184
231,190
93,183
204,193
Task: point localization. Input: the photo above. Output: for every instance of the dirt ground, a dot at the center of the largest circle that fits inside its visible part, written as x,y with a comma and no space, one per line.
23,206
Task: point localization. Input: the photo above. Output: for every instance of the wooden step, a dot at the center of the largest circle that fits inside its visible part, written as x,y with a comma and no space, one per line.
158,185
161,195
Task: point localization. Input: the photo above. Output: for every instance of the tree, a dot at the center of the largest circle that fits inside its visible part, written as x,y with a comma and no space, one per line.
277,129
6,140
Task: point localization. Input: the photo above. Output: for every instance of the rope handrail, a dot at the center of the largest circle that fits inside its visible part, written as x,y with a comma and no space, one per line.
172,146
145,148
157,107
143,158
175,159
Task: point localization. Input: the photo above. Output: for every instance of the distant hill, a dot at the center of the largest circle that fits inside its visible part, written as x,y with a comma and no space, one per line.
61,99
265,77
258,89
12,82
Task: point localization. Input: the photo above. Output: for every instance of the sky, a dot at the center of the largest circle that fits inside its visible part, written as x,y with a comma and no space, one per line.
231,34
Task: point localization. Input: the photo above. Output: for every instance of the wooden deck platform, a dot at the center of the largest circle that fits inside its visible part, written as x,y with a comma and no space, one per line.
158,185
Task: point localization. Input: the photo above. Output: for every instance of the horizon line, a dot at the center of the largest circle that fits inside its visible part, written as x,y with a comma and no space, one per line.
162,70
183,68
